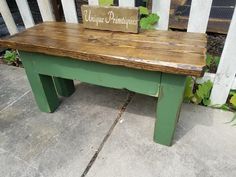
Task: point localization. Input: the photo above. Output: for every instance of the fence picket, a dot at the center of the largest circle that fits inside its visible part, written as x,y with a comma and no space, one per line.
126,3
46,10
199,16
234,84
69,10
93,2
211,77
25,12
227,68
7,17
162,8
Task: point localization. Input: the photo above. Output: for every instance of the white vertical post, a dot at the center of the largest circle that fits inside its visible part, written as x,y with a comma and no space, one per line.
127,3
69,10
227,68
25,12
199,16
93,2
234,84
7,17
46,11
162,8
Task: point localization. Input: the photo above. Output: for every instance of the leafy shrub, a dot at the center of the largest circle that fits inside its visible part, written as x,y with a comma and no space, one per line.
232,99
198,93
11,58
148,20
212,63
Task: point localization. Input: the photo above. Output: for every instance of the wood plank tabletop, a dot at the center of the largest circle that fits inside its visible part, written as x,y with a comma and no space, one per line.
164,51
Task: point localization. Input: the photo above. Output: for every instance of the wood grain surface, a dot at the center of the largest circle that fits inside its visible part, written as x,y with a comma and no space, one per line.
165,51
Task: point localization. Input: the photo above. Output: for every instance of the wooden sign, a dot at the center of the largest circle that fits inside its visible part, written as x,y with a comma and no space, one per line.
110,18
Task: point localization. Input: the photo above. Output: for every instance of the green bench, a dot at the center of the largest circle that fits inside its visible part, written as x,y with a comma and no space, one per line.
154,63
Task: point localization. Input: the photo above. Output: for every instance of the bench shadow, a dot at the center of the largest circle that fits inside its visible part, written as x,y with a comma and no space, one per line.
190,115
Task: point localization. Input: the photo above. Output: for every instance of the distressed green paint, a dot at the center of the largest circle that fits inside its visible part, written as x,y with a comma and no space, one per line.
140,81
64,87
42,87
43,69
168,107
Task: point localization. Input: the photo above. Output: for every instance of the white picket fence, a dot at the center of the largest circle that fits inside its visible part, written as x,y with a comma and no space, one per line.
223,80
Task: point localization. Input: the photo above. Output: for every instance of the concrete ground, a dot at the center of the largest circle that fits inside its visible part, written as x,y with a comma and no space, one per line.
92,134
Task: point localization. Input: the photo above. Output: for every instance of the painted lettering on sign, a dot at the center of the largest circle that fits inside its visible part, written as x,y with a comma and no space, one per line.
110,18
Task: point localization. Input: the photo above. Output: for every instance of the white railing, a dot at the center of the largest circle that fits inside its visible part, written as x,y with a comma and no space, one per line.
223,80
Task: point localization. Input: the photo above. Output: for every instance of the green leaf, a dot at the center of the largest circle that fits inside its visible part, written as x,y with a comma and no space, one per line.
204,89
232,92
224,107
149,21
206,102
209,59
188,93
105,2
196,99
233,100
143,10
9,56
217,60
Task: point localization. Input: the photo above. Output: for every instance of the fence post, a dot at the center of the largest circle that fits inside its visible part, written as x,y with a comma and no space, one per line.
7,17
69,10
227,68
162,8
25,12
199,16
93,2
127,3
46,11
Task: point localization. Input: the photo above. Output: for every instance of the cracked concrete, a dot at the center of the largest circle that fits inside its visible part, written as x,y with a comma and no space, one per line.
89,127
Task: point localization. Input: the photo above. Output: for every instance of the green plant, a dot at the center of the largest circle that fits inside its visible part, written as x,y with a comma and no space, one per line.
198,93
148,20
188,94
233,99
105,2
11,58
143,11
212,63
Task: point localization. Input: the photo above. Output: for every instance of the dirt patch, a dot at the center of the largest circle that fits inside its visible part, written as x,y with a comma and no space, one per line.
215,43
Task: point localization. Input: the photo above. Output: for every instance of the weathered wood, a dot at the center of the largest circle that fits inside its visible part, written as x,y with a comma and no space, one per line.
168,107
165,51
110,18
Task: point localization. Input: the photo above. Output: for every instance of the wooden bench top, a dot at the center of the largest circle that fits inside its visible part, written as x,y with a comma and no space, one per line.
165,51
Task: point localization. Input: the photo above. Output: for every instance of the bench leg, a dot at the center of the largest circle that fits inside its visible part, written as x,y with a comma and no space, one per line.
168,107
43,88
64,87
